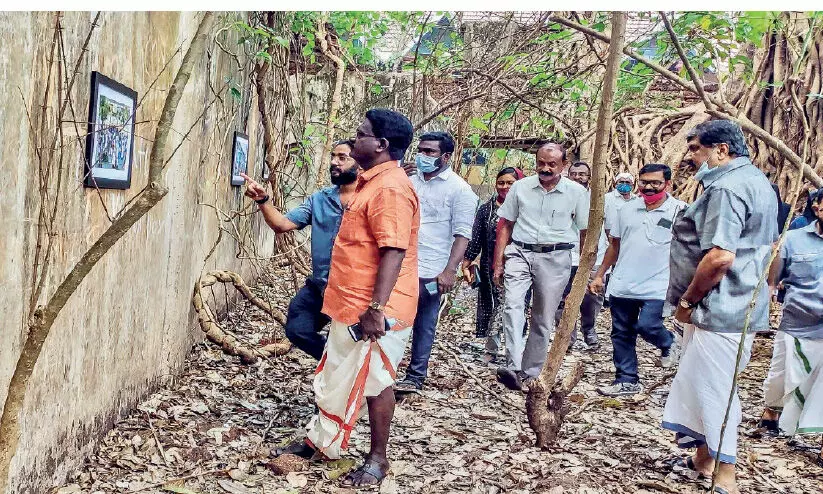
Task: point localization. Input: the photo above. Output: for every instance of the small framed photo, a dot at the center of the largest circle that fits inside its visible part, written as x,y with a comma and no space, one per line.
239,158
110,139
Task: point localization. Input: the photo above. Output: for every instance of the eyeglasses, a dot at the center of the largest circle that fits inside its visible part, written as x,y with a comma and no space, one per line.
693,148
654,183
359,135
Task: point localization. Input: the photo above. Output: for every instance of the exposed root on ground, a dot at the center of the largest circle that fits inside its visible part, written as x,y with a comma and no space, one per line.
219,336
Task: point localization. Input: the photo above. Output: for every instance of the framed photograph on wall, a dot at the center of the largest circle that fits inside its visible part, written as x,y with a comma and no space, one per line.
110,139
239,158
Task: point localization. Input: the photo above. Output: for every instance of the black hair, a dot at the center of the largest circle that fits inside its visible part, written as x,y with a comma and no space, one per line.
546,144
716,132
817,195
344,142
656,167
445,140
509,170
582,163
393,127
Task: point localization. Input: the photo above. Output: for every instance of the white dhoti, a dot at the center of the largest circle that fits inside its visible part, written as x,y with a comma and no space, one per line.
700,391
349,372
795,384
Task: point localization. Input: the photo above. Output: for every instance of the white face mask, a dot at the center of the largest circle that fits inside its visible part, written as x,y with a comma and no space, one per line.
426,164
702,171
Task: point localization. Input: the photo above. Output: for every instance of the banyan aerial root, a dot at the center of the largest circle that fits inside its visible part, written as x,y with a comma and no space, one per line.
216,334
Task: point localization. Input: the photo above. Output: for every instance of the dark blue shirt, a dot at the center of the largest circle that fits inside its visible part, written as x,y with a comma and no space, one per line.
323,211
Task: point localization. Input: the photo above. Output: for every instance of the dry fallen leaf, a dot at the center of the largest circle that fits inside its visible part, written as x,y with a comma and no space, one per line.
296,479
178,487
234,487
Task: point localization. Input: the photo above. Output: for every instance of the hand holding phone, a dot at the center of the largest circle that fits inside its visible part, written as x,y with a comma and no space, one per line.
356,330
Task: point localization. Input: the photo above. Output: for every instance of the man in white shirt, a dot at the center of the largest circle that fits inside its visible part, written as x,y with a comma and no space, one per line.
641,234
543,216
614,200
447,207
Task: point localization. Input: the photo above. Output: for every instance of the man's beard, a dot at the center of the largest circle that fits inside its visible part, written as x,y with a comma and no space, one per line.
344,177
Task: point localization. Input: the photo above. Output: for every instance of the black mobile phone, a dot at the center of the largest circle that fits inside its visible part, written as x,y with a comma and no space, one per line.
476,272
356,331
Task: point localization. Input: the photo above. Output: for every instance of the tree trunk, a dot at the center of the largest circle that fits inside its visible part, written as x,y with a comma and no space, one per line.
545,403
43,318
334,102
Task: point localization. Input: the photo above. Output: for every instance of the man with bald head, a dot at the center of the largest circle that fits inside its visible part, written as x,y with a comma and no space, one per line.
543,216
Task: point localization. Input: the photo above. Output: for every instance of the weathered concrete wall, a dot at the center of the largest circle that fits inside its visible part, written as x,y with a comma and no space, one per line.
130,323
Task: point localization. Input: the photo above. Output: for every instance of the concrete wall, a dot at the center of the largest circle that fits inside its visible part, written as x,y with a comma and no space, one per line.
130,323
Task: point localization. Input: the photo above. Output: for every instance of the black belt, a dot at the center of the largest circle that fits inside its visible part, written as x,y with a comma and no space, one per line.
543,248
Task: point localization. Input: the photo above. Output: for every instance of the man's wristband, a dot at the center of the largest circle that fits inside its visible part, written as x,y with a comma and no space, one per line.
262,201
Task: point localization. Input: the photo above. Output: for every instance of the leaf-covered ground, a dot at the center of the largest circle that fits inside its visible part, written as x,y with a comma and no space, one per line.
212,430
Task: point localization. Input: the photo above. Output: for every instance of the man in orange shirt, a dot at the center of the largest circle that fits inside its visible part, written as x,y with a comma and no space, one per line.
372,293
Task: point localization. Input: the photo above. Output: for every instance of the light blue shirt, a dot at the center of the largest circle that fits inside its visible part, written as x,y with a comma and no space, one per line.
323,211
802,275
735,213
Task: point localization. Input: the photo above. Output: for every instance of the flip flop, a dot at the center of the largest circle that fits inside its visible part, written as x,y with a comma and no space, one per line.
687,463
370,468
719,490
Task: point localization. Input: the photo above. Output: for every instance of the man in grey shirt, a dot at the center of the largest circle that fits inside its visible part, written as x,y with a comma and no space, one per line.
719,251
793,391
543,215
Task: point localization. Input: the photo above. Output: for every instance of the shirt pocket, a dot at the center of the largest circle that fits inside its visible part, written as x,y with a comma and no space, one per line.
560,220
806,266
435,210
657,234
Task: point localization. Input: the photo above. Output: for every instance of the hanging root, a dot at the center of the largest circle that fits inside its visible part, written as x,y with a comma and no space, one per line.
229,343
546,411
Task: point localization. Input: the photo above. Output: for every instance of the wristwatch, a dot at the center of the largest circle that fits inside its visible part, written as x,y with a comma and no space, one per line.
263,200
376,306
688,305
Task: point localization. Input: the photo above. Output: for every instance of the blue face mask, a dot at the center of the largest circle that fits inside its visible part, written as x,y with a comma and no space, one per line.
624,188
426,164
702,171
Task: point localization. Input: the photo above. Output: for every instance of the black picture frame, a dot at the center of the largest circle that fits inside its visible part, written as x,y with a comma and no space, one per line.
239,158
110,145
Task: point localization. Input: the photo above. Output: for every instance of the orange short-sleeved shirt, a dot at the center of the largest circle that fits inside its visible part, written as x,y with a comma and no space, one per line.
384,212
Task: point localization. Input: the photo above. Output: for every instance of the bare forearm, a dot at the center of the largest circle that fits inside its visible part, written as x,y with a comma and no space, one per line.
609,258
711,269
504,236
276,220
774,272
458,251
388,270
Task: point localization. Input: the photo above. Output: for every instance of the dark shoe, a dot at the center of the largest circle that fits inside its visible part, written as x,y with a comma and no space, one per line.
509,378
593,347
408,386
621,389
771,426
298,448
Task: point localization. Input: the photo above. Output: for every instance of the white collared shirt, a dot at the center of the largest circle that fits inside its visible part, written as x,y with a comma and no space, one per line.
542,217
614,200
642,268
447,207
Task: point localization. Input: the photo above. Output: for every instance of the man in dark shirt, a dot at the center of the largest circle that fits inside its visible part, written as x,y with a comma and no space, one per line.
322,210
